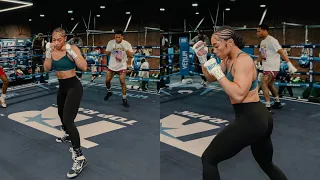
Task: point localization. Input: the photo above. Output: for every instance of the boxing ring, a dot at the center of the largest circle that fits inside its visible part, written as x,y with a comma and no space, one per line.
192,114
113,138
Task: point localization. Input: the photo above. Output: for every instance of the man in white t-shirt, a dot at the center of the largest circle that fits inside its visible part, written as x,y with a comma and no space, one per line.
270,52
120,51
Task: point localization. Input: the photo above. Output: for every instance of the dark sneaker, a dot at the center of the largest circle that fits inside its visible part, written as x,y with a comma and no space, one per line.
125,103
107,96
276,105
64,138
270,110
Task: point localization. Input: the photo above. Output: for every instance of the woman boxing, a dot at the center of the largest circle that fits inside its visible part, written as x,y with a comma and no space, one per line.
64,58
253,124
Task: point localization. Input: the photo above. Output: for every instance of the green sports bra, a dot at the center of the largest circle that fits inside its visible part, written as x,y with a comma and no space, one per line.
231,78
63,64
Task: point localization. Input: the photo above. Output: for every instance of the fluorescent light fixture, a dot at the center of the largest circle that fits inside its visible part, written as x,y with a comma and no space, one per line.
102,7
98,15
127,12
262,5
162,9
41,15
70,11
194,4
197,12
227,9
22,5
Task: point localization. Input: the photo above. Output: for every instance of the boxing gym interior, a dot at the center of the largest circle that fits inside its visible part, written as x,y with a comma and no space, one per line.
118,142
121,142
193,110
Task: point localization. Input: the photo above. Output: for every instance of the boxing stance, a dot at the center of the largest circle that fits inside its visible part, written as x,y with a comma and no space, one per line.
64,58
5,83
253,124
120,51
270,51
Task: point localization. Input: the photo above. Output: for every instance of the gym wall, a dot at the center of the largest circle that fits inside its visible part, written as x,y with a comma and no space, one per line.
136,39
15,31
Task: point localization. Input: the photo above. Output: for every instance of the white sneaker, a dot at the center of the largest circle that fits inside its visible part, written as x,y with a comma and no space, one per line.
79,162
3,102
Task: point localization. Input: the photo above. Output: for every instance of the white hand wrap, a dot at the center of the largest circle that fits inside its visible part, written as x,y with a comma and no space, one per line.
70,51
48,50
214,68
201,51
291,68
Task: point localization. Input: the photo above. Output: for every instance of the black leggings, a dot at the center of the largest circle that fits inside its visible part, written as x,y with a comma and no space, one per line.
252,127
68,99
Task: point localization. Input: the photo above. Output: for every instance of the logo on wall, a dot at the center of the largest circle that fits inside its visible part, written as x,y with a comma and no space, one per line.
190,131
49,122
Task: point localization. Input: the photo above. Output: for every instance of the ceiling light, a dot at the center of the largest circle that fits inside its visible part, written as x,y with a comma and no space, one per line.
102,7
262,5
21,5
194,4
41,15
30,19
197,12
98,15
227,9
72,19
127,12
70,11
162,9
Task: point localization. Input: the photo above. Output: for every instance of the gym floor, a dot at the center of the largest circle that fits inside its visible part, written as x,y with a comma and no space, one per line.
199,116
119,143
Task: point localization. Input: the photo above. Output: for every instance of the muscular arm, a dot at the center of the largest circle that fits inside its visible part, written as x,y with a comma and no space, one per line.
211,78
80,61
131,61
129,54
108,49
284,55
238,90
259,59
47,64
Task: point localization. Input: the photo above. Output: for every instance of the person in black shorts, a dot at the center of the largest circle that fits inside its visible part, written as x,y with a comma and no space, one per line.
253,124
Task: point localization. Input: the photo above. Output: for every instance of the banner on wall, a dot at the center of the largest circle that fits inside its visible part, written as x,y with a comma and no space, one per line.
15,42
7,42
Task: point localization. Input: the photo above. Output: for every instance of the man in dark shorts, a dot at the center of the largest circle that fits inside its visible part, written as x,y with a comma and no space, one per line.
270,52
120,51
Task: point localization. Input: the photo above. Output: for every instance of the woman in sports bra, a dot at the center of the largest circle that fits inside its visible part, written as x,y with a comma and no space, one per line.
253,124
64,58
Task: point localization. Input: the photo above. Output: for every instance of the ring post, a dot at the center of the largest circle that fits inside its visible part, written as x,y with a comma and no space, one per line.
184,56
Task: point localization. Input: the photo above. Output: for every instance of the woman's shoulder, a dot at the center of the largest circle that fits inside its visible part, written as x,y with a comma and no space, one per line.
244,58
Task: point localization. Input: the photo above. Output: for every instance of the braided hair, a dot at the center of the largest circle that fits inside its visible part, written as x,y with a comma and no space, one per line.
227,32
